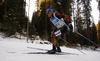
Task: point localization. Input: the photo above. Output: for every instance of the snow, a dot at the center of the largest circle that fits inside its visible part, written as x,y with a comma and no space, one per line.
12,49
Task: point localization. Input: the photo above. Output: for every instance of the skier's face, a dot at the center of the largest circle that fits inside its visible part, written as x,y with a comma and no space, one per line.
49,14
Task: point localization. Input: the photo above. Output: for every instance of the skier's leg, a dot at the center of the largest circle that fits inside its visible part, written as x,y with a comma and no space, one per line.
55,36
53,51
54,40
63,31
57,44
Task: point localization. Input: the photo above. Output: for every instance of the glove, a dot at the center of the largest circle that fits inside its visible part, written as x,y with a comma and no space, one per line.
62,19
70,26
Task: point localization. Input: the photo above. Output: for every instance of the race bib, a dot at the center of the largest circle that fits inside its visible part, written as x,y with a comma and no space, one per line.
58,22
57,33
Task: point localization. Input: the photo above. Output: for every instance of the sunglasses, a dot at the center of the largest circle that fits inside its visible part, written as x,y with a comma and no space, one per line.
47,12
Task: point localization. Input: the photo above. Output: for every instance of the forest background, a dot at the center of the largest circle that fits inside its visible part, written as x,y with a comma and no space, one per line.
13,20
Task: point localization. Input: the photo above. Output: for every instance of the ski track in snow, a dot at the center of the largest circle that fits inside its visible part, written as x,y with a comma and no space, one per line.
15,51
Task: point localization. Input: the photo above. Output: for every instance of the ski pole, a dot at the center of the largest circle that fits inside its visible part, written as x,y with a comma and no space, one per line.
87,39
73,46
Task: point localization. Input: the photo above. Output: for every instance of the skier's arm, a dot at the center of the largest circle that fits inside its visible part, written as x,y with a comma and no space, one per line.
67,21
66,18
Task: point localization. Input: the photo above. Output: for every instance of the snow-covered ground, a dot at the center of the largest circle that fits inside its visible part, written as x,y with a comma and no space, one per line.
12,49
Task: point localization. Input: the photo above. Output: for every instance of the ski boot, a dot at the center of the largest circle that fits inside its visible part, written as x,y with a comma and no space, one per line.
53,51
58,49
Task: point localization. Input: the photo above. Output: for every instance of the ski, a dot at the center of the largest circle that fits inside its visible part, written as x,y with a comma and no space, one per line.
57,53
37,48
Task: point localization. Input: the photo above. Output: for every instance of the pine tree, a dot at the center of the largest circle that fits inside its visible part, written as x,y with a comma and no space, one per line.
87,15
78,18
98,34
93,33
15,17
2,13
98,6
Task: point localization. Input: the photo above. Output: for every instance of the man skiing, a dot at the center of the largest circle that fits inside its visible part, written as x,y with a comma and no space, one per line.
62,24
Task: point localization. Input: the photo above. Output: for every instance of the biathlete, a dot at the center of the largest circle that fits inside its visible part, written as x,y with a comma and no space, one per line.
61,23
